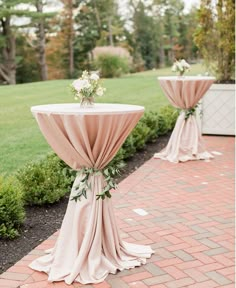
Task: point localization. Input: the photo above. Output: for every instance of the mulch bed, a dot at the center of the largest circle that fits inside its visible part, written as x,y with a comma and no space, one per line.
42,222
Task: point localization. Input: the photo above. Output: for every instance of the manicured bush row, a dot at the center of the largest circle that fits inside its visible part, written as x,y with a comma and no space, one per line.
11,207
150,126
43,182
48,180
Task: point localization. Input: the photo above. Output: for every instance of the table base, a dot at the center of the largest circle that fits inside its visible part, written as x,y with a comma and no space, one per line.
89,246
185,143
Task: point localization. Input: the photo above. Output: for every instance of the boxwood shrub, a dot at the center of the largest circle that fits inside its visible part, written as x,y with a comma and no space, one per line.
167,118
11,207
43,182
140,135
151,120
150,126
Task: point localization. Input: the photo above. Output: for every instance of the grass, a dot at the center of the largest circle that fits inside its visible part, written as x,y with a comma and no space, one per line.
21,140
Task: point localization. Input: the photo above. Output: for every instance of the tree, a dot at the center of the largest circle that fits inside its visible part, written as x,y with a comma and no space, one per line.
145,36
97,23
215,37
39,19
41,41
189,24
88,30
66,34
27,64
8,39
12,15
163,28
61,42
175,30
60,64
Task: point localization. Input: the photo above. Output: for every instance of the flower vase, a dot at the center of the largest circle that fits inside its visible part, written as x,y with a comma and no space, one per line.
87,102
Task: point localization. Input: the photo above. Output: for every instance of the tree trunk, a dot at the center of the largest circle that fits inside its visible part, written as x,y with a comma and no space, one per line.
111,43
41,43
98,19
8,68
71,36
162,56
161,48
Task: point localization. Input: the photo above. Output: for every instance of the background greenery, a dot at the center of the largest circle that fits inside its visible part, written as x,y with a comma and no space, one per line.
59,45
21,139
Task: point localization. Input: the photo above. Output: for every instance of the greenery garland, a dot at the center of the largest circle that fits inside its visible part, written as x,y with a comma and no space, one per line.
190,111
108,173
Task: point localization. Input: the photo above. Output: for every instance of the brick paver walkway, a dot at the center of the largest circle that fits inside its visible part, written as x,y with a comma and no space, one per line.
189,222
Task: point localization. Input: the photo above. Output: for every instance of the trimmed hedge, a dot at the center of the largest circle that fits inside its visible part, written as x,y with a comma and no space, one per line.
43,182
11,207
151,120
167,118
150,126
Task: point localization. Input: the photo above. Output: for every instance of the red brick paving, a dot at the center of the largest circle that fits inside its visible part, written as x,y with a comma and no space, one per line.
190,225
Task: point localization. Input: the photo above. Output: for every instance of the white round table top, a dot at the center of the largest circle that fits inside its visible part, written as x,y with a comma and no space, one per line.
98,108
186,78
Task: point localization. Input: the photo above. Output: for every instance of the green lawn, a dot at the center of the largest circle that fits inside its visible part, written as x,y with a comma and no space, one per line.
21,141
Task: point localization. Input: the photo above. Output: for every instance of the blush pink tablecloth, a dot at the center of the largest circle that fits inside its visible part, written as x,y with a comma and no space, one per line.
186,142
89,246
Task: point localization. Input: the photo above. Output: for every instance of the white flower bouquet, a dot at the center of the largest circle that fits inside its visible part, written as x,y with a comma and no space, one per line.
87,87
180,66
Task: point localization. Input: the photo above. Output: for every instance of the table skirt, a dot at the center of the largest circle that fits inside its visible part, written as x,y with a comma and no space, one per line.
89,247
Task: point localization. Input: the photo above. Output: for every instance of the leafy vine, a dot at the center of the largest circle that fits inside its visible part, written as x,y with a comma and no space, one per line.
108,173
190,111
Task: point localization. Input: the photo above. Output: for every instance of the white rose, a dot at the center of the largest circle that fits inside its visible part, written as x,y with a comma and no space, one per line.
94,77
86,84
180,67
100,91
173,69
78,84
184,64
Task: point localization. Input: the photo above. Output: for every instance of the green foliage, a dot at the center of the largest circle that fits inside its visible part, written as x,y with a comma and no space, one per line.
140,135
11,207
97,24
167,118
84,185
163,126
162,32
8,45
151,125
109,174
128,147
215,37
27,66
136,140
191,111
111,65
150,119
43,182
146,40
117,161
68,173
